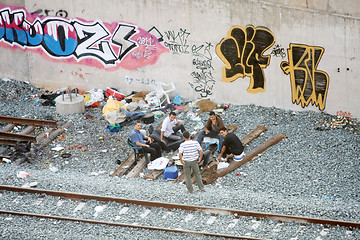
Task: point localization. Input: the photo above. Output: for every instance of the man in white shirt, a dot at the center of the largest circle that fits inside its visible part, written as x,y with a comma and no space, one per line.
170,127
189,152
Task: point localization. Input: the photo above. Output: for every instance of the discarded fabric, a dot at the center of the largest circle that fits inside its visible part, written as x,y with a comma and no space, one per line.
22,174
158,164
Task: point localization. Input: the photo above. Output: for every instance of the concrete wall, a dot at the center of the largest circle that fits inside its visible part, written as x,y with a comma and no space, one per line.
297,55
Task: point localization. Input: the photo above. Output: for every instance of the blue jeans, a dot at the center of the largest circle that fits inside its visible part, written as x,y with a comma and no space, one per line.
211,134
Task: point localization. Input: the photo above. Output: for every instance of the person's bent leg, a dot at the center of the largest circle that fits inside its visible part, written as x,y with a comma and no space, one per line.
157,148
179,127
152,152
221,140
173,137
201,136
195,168
206,156
187,171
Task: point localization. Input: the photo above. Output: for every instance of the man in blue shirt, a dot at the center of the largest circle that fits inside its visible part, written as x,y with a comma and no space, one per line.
137,138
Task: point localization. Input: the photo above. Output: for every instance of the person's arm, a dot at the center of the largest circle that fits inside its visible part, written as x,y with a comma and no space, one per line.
163,128
141,144
222,152
181,160
201,155
207,126
162,137
219,123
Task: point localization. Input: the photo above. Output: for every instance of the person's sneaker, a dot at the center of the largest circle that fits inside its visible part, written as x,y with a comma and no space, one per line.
239,157
191,191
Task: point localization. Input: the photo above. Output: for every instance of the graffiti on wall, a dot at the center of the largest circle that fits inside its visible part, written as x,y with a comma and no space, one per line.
203,80
177,41
307,83
242,51
144,81
278,51
78,41
49,12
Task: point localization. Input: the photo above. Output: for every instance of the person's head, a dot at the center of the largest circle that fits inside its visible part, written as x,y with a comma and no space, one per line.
223,131
186,135
212,116
172,116
137,125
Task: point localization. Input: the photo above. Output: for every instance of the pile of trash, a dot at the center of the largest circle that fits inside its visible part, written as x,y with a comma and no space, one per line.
339,122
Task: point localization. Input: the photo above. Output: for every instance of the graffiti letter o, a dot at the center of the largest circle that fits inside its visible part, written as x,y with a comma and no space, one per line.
60,38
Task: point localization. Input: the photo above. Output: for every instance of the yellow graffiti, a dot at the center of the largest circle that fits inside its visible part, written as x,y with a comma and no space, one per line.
242,52
307,83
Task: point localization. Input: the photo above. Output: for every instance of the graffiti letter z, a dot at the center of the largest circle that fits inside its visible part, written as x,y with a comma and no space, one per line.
88,36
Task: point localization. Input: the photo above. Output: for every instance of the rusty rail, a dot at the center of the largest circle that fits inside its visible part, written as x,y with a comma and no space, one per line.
209,210
128,225
27,121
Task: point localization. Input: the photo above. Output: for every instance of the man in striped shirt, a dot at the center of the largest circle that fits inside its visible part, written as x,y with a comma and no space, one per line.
191,153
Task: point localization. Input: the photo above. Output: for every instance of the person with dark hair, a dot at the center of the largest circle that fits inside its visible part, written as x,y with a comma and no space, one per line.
170,127
137,139
191,153
231,145
212,129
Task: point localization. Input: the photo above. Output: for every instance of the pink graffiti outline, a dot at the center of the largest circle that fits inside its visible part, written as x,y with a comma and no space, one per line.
128,62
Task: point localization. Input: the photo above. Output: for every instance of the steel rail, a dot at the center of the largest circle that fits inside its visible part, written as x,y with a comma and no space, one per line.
18,136
127,225
27,121
209,210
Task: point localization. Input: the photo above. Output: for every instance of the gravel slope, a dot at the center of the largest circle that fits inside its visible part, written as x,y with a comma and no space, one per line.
314,172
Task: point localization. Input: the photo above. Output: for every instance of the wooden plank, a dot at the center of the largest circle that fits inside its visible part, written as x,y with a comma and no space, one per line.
124,166
54,134
28,130
253,134
8,127
141,164
248,157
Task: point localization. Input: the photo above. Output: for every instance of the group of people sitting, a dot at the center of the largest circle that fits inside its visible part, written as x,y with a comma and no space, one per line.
190,151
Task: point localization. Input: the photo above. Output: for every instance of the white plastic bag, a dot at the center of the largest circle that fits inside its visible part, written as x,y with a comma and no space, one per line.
158,164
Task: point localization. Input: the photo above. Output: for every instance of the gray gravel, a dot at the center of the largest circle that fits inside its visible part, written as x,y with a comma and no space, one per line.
314,172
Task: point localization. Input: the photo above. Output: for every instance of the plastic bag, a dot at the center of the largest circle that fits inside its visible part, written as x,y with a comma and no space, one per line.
177,100
95,98
158,164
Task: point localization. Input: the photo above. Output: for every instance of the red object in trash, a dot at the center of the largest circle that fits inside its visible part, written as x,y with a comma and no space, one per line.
238,174
112,92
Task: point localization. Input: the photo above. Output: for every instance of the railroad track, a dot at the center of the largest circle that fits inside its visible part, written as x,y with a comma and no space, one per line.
48,132
159,216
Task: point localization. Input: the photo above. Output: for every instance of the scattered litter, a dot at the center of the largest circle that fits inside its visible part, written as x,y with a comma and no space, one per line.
53,169
99,209
65,155
22,174
33,184
6,160
57,148
158,164
223,165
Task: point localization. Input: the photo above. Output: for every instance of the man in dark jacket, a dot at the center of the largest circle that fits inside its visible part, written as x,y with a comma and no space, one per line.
212,129
232,145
